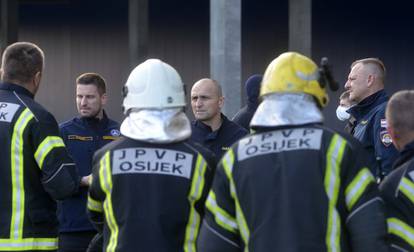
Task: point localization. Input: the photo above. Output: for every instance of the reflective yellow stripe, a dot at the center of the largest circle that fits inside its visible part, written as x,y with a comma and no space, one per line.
17,164
401,230
94,205
228,162
407,188
222,218
45,147
105,177
358,185
28,244
332,183
196,191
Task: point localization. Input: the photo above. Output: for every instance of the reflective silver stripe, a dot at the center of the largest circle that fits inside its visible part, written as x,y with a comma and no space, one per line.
105,178
17,164
407,188
28,244
228,163
45,147
401,229
196,191
94,205
358,185
224,219
332,184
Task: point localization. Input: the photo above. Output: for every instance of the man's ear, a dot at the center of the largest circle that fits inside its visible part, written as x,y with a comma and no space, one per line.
221,101
371,79
36,81
104,98
394,135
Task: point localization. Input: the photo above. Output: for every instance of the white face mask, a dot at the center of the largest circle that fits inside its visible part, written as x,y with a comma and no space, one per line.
342,114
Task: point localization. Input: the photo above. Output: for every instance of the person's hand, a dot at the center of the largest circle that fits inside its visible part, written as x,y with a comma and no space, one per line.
86,180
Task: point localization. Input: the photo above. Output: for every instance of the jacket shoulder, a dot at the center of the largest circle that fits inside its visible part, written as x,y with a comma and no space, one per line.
113,124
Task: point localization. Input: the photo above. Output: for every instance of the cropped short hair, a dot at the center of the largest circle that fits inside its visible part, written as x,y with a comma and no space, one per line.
92,79
399,111
378,65
21,61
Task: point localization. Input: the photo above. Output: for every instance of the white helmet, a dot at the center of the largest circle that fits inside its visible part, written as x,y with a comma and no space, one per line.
153,84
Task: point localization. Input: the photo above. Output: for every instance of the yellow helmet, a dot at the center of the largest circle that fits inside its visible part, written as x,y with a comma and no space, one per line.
294,73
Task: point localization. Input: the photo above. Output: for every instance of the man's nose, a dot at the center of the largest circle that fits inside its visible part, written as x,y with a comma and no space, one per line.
347,85
83,101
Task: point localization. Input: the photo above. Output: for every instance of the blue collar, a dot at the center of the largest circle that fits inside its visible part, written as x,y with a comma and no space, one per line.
16,88
94,121
365,106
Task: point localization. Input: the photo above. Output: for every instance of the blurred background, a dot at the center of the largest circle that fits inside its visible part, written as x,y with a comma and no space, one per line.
111,37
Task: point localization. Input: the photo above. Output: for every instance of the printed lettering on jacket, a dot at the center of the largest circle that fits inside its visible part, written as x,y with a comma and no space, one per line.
152,161
7,111
278,141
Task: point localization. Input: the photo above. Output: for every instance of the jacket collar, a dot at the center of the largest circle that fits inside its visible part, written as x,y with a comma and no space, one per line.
365,106
94,121
16,88
205,127
406,154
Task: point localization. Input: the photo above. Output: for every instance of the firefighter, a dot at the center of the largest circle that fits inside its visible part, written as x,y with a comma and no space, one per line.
293,185
35,168
397,189
149,187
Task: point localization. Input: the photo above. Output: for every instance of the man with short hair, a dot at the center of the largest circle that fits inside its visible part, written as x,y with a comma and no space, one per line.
83,135
398,187
35,168
211,128
366,87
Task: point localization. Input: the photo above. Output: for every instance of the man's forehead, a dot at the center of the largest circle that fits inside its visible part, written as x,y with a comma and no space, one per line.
86,89
205,88
358,68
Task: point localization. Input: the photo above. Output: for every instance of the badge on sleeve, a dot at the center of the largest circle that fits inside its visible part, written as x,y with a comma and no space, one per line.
115,132
385,138
383,123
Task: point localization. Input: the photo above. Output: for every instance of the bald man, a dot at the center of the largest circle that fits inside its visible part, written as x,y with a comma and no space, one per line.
211,128
397,188
366,87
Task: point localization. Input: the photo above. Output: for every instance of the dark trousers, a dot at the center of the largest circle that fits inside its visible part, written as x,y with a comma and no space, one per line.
75,241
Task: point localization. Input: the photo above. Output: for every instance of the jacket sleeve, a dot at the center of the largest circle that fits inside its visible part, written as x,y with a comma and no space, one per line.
365,220
97,193
397,192
220,231
385,152
60,177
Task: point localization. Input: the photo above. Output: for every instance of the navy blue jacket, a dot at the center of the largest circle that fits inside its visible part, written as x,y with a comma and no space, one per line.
371,130
82,137
220,140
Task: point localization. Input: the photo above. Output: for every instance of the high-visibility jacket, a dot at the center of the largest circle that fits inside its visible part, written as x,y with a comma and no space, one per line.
293,189
150,197
35,170
397,190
